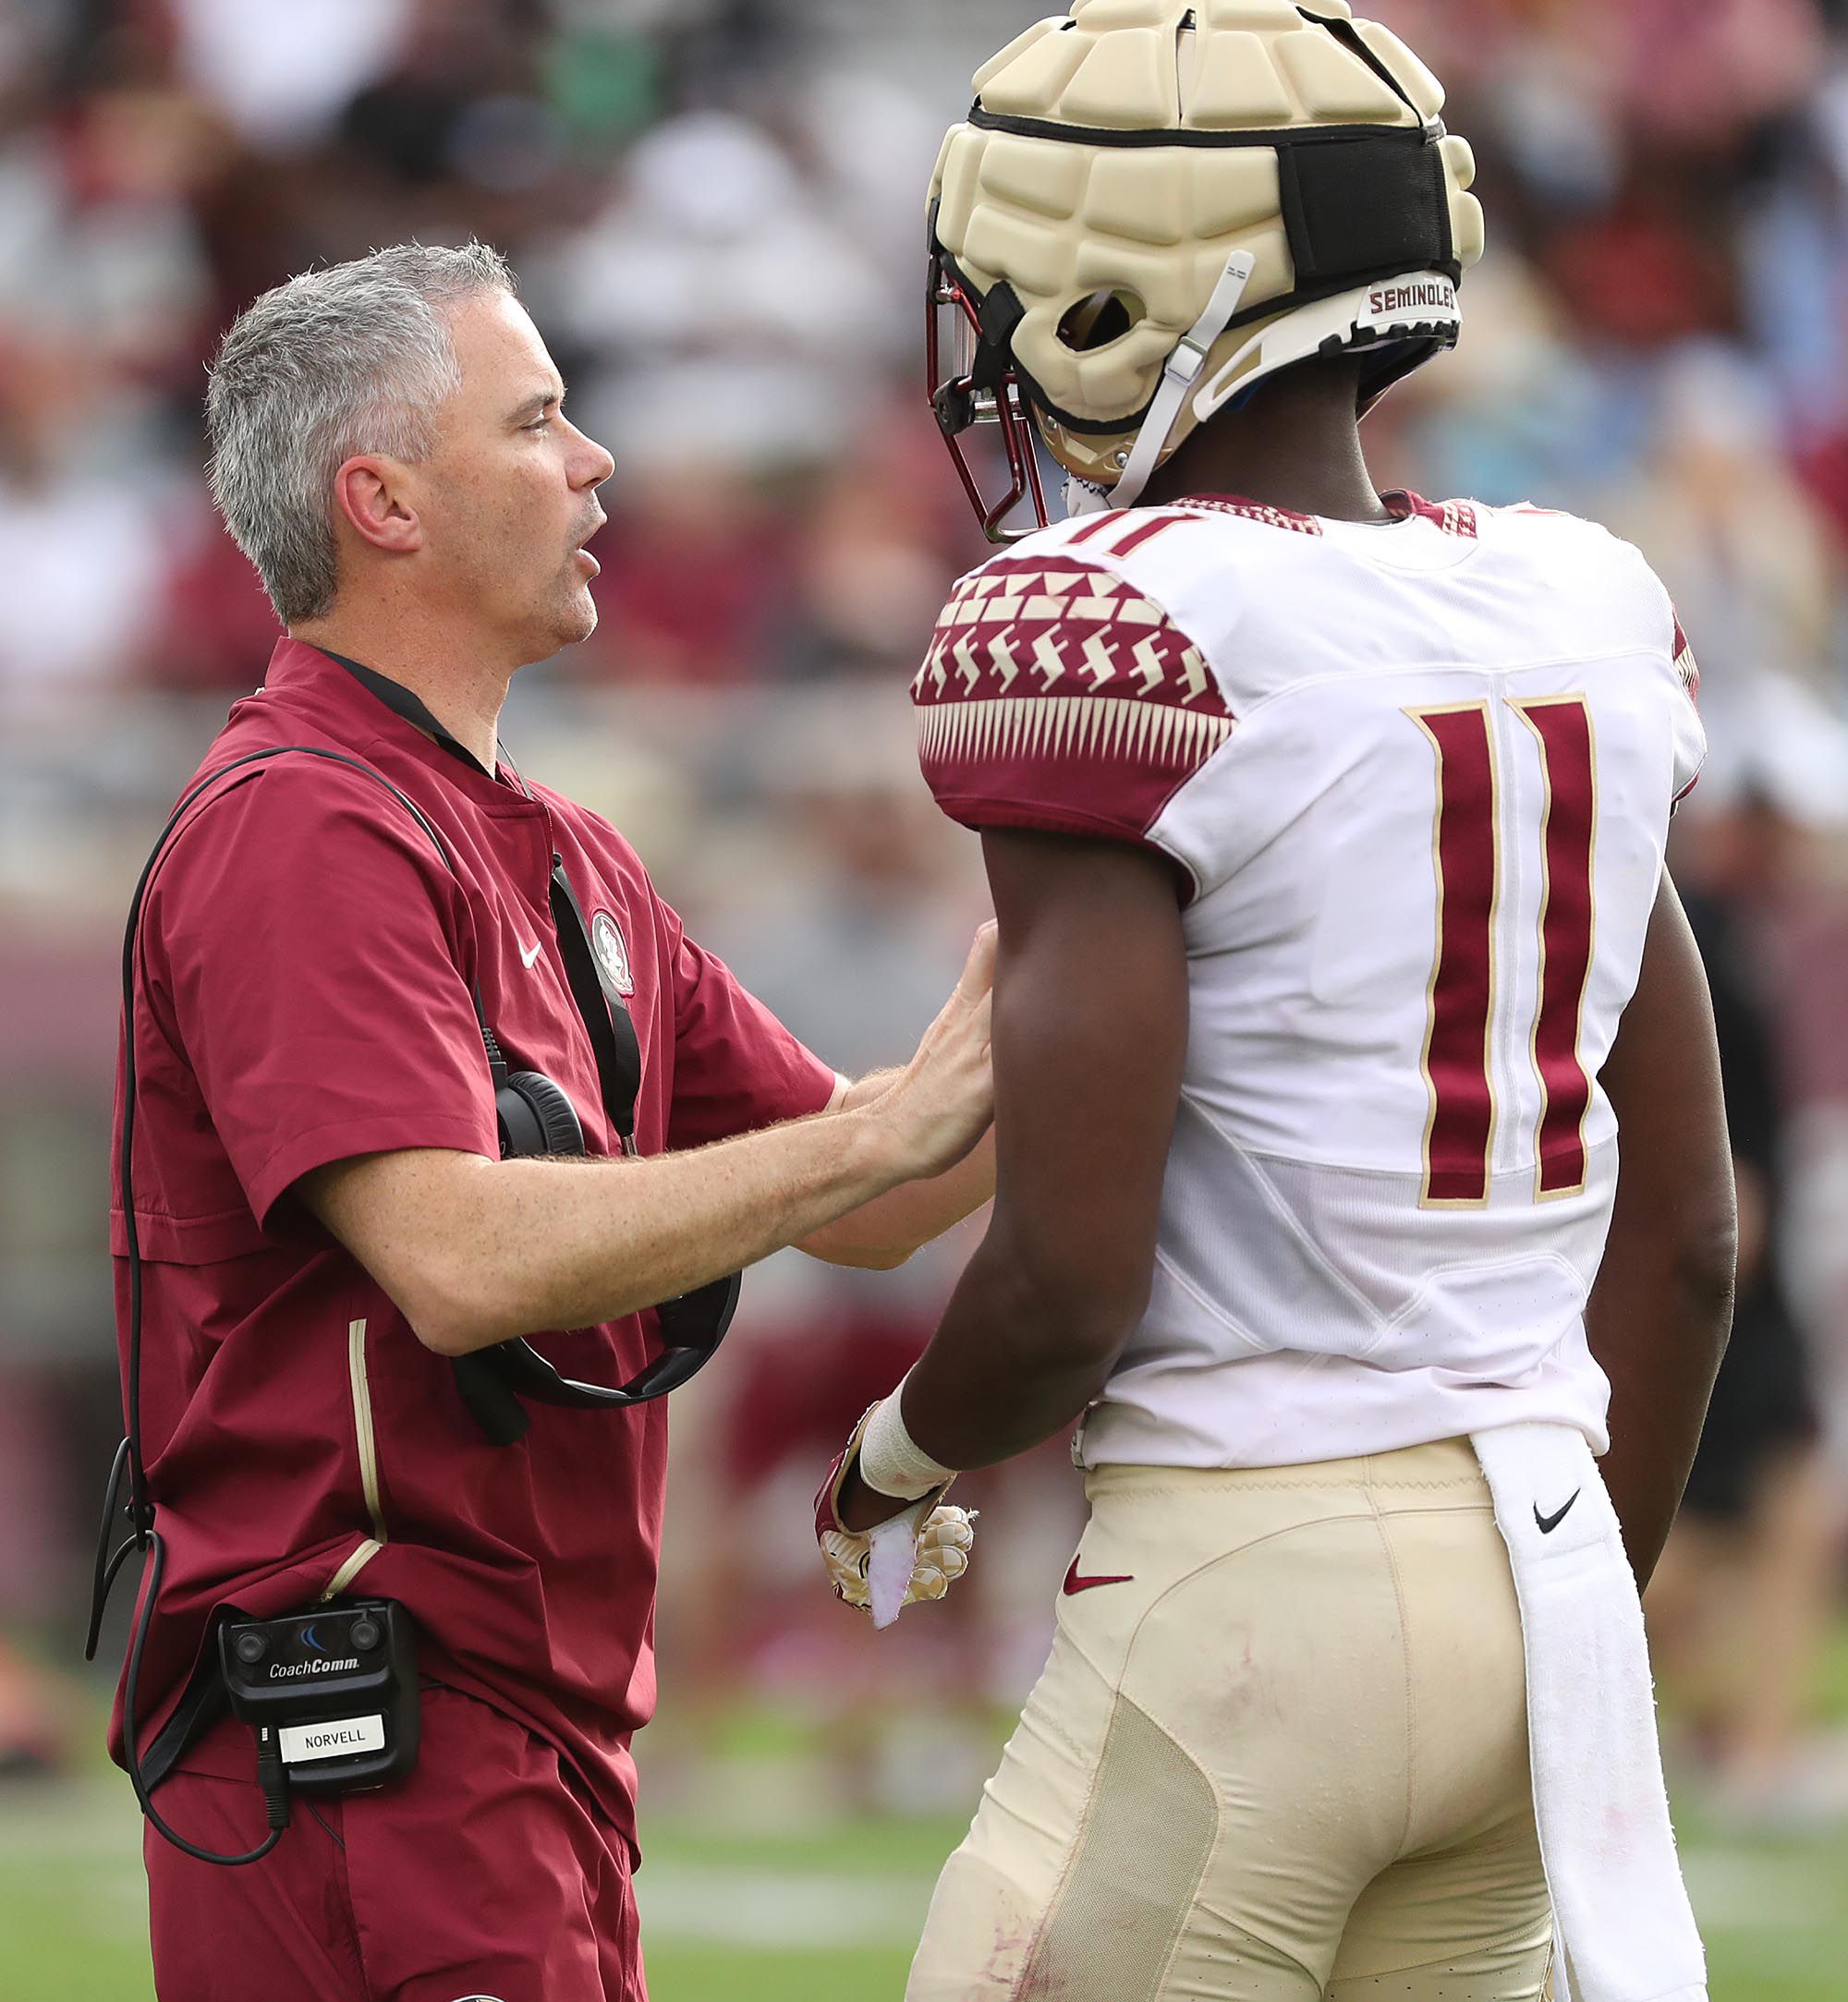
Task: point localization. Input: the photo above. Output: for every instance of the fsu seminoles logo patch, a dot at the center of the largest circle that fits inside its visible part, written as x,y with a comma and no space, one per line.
613,954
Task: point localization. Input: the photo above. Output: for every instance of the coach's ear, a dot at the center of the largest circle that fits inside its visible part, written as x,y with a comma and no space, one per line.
372,498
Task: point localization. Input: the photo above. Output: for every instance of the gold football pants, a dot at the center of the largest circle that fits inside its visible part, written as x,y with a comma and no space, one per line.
1279,1754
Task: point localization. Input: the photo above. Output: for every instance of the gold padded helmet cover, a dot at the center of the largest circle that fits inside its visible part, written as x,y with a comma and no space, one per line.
1063,211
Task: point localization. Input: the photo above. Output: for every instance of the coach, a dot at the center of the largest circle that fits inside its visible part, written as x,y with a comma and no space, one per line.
324,1220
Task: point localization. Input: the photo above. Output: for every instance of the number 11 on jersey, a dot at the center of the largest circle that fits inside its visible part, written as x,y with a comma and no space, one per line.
1466,850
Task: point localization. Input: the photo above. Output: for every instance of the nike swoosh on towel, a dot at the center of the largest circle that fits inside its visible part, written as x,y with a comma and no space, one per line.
1548,1523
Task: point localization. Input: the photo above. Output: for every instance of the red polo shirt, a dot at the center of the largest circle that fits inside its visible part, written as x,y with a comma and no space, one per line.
305,974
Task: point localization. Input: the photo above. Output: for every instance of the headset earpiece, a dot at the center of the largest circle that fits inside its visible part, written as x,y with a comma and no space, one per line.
535,1117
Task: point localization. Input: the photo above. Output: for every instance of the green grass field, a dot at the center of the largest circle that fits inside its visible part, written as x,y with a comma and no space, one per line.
760,1896
824,1916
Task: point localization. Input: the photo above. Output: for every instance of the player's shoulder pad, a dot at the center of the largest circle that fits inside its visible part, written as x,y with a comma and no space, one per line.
1552,535
1156,545
1627,605
1633,602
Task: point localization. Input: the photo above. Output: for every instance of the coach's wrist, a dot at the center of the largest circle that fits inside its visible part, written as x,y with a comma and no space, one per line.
882,1151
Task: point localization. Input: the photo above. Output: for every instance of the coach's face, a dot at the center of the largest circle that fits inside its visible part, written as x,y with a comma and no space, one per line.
508,498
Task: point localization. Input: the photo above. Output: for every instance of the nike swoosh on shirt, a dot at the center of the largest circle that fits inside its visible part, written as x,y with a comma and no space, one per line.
1074,1582
1548,1523
529,957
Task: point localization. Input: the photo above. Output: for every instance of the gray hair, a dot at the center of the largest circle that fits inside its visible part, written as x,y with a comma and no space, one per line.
357,358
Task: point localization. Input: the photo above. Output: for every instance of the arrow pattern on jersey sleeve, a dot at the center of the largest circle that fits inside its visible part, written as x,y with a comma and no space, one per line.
1055,694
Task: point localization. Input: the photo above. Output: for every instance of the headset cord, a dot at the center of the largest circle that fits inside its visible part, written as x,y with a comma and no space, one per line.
272,1776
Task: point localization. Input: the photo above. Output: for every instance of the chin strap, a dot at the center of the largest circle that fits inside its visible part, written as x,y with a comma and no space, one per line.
1178,376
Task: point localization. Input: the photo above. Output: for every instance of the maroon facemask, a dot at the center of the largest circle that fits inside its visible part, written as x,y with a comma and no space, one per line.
972,384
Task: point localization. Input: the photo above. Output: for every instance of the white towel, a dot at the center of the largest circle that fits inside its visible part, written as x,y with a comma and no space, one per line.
1619,1904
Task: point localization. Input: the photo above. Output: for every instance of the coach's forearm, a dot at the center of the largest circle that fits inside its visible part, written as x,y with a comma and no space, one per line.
564,1245
474,1250
884,1232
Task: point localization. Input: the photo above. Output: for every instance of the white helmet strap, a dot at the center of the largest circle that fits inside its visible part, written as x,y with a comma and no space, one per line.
1181,372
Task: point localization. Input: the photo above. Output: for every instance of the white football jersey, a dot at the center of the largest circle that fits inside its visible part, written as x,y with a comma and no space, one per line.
1421,775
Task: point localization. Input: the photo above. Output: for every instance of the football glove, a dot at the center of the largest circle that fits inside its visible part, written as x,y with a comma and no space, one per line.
918,1554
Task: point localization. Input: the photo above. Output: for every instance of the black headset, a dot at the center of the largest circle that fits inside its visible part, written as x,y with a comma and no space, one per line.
534,1116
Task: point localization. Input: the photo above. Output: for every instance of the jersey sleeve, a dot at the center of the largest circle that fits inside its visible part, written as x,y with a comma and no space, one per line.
736,1067
1690,734
1056,695
305,943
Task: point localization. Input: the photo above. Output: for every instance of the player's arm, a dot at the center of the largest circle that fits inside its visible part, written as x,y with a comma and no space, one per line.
881,1234
1090,1037
1663,1305
473,1251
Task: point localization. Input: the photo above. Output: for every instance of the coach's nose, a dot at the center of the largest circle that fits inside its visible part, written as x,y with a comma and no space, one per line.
591,463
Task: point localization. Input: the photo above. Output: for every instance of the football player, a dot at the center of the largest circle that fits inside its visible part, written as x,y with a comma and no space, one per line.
1326,832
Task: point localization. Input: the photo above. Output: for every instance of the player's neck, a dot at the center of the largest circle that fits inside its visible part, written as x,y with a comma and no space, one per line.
1296,446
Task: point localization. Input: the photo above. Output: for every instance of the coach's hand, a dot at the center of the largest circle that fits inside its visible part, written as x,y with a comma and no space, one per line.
917,1552
942,1103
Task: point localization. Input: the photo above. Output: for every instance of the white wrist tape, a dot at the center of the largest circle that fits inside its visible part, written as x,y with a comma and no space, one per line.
892,1462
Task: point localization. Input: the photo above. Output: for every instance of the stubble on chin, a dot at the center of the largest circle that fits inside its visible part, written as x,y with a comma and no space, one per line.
567,621
578,619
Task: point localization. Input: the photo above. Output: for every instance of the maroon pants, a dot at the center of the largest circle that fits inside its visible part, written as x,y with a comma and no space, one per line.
486,1874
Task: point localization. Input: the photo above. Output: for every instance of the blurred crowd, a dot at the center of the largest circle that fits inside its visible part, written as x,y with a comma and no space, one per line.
716,211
